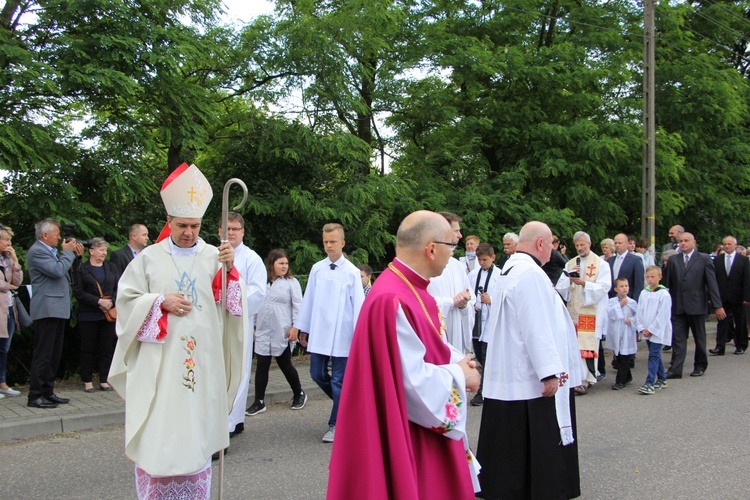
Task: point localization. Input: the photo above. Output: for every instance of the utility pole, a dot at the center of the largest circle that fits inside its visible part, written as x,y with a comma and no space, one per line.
648,215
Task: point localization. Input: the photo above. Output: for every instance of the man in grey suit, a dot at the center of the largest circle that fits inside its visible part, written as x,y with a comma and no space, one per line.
49,271
137,241
688,275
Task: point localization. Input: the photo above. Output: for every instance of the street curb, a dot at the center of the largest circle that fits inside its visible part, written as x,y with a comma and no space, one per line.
48,426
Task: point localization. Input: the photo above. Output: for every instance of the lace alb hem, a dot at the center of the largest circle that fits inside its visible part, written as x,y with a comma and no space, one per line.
194,487
150,330
234,298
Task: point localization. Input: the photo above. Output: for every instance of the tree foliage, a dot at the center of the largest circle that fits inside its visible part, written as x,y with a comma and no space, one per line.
499,111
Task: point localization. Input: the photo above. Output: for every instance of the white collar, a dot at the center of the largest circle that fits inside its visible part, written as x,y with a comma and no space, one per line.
182,252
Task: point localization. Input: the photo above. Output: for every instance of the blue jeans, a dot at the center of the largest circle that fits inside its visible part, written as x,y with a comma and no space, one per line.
5,344
330,383
655,364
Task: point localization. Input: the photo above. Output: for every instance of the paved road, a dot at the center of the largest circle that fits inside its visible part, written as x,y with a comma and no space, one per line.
679,443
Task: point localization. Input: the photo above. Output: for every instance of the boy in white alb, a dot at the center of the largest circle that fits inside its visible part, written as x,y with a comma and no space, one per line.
328,315
620,331
655,323
483,280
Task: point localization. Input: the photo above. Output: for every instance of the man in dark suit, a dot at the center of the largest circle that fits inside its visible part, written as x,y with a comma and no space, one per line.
688,275
49,271
674,238
733,279
137,241
625,264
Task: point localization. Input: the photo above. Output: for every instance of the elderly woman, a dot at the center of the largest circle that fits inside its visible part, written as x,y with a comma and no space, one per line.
12,275
95,288
608,248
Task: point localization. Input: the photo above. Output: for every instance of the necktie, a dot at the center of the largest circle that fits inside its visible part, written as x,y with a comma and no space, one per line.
687,259
618,263
333,267
728,261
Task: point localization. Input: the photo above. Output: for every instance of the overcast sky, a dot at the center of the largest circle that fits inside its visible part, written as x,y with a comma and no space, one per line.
246,10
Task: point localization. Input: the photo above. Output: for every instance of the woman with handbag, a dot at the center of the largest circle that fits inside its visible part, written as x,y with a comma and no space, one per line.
274,331
11,277
95,287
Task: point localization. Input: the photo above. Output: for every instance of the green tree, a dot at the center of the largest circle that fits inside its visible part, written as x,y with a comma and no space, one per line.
345,60
703,102
534,114
299,179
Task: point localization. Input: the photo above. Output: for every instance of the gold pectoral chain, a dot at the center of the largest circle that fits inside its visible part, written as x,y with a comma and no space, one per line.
421,303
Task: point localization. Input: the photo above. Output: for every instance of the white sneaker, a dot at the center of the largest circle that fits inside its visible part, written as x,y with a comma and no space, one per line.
328,436
10,392
2,396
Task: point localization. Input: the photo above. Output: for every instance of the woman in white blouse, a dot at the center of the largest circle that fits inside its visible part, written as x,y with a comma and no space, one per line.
274,333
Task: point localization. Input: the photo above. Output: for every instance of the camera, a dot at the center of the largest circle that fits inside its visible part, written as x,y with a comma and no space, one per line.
69,230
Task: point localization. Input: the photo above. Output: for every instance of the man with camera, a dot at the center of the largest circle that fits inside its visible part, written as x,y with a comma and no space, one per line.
584,285
49,271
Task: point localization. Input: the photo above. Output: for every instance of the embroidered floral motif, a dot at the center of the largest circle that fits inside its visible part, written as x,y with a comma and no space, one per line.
188,378
452,412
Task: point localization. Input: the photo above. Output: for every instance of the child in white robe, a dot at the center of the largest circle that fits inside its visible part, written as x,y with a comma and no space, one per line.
484,279
621,332
654,322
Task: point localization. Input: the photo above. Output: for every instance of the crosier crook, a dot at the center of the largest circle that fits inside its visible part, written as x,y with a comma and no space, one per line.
223,302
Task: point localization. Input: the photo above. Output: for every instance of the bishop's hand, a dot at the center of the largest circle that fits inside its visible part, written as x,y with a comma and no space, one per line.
226,254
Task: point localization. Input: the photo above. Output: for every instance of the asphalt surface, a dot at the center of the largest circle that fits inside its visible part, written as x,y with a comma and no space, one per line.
687,441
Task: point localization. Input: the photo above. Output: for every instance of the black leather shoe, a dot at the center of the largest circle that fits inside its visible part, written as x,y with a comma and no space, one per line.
716,352
697,373
674,375
54,398
667,348
238,429
739,351
41,403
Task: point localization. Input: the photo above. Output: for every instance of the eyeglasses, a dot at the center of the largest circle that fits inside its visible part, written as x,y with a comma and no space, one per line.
452,245
235,229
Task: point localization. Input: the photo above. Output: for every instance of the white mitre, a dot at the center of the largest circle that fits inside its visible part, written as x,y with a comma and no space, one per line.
186,192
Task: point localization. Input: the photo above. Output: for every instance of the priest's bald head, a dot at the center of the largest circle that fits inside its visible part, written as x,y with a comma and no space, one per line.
536,240
425,242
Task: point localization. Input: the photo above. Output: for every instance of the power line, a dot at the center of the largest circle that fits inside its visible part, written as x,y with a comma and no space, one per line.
741,18
640,35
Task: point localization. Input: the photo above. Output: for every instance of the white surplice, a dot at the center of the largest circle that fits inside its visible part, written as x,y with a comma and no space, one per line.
459,322
621,338
655,315
530,336
330,307
488,287
253,272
